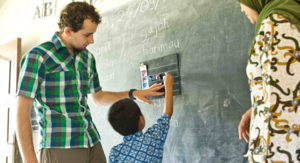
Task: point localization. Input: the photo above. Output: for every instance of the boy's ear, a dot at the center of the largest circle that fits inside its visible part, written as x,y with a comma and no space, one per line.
141,122
141,118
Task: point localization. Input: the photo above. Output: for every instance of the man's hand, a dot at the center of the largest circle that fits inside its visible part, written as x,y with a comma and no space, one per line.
142,95
245,125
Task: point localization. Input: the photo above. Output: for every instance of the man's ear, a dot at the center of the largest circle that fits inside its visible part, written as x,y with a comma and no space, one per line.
68,31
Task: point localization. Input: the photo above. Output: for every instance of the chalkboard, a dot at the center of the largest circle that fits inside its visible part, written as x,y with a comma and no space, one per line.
212,38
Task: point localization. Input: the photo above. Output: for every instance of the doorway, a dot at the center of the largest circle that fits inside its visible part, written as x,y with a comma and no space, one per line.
10,54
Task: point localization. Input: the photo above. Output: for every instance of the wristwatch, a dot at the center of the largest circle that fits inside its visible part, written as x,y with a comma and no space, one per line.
131,94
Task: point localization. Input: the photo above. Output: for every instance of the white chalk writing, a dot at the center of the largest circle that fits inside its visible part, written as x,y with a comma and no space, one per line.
161,47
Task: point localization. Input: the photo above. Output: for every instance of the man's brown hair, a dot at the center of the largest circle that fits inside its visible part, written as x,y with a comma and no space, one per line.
74,14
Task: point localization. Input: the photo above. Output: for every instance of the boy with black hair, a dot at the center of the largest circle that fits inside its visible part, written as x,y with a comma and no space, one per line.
126,118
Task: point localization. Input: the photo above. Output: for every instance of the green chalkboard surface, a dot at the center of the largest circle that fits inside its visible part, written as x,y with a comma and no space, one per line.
212,38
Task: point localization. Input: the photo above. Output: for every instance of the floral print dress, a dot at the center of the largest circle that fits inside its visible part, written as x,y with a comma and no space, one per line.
274,77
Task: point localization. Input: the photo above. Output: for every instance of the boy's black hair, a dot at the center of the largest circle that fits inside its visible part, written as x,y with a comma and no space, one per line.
124,116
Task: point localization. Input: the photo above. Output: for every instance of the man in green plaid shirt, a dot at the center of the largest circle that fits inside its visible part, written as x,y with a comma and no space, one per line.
56,77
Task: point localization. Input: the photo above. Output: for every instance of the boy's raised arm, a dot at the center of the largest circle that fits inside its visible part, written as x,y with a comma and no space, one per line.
168,108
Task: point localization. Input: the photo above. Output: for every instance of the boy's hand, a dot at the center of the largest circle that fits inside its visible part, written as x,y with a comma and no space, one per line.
168,80
168,108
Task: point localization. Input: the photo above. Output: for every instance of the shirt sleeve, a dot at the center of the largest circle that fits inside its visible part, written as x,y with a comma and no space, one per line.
277,47
280,71
94,79
31,74
160,129
112,157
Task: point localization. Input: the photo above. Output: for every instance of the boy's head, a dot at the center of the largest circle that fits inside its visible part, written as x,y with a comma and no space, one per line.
125,117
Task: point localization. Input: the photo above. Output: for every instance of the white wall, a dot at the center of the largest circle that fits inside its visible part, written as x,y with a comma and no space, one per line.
17,19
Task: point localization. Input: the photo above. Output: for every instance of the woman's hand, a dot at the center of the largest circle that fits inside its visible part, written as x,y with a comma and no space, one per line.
245,125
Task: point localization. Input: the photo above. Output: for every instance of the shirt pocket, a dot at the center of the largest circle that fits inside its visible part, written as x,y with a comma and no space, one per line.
61,84
65,86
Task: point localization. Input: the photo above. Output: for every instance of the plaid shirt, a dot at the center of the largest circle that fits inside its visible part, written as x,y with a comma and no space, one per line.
139,147
59,83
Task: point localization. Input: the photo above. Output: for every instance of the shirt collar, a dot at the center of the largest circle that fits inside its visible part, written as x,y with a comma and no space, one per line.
132,136
57,41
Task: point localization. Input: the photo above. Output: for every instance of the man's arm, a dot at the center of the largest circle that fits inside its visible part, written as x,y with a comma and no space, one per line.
168,108
103,98
107,98
24,130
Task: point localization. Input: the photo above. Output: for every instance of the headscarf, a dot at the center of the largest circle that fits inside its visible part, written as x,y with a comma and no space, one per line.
289,9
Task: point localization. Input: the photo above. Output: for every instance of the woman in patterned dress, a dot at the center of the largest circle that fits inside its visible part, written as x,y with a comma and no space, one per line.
271,126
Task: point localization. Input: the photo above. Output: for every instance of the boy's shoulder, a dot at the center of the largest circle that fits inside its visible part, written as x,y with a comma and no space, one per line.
128,141
117,147
162,121
159,129
115,151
